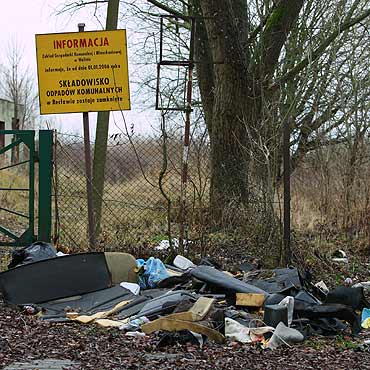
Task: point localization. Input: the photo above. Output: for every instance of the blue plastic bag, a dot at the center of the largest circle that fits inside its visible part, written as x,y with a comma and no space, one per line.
153,272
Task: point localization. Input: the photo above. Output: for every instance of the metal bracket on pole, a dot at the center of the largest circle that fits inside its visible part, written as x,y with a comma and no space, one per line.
187,109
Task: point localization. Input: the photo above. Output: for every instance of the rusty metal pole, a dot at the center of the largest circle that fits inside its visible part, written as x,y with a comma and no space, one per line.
89,189
286,179
185,154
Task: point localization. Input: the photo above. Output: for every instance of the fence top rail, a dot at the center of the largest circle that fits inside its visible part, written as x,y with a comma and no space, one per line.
8,132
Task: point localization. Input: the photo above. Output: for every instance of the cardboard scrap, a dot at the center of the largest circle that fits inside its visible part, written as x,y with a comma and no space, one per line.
173,325
250,299
107,323
86,319
189,320
197,313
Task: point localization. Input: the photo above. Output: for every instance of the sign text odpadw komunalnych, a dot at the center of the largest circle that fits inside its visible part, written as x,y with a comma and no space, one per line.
83,72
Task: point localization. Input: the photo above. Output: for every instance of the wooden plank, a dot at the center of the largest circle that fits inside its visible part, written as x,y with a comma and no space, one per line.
197,313
250,299
201,308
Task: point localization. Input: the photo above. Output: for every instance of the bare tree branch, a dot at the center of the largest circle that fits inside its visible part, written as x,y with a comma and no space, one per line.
320,49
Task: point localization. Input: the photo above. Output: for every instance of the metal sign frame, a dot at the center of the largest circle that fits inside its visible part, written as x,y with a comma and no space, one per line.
83,72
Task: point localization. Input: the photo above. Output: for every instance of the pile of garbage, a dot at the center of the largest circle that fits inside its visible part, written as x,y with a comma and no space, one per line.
182,301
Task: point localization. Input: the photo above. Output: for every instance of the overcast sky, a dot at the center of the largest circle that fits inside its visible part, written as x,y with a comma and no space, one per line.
22,19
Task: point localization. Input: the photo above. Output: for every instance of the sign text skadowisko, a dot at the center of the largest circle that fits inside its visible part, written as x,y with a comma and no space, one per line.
83,72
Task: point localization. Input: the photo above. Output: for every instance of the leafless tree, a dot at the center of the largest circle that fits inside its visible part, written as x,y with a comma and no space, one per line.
17,84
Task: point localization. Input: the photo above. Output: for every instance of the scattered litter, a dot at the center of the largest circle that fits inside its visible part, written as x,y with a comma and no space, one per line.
365,318
61,254
363,284
55,278
182,302
274,314
183,263
288,302
243,334
134,324
151,272
339,256
121,267
284,335
198,337
322,286
178,325
107,323
132,287
37,251
30,309
165,244
136,334
86,319
352,297
250,299
218,280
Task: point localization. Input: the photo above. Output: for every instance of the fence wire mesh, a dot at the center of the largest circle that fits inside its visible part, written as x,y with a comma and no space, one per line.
136,204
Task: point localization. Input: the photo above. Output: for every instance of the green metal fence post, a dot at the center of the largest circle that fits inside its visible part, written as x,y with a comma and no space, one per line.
45,177
28,138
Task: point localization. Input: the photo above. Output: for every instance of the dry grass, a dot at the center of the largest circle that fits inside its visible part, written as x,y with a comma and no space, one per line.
13,200
324,198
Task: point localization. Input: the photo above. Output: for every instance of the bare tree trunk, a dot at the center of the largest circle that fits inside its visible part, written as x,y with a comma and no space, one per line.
229,157
101,140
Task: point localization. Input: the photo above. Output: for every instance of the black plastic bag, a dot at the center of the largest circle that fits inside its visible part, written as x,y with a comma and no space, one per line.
35,252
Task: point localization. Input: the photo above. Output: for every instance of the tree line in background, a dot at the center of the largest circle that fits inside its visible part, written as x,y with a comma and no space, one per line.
18,85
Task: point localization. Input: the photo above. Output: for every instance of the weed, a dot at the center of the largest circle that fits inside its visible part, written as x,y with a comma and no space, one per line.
345,342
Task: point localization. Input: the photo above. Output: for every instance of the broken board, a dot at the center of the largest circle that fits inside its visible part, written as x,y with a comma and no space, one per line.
250,299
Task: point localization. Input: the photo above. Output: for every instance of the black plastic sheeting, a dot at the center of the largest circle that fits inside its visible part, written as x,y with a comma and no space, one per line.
166,303
329,311
86,304
283,281
134,307
353,297
222,282
322,318
55,278
151,303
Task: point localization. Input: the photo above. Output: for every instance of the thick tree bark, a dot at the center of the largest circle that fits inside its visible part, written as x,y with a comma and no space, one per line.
204,65
229,162
238,86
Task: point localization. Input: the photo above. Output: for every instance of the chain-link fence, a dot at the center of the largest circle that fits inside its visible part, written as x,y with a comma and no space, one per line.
142,191
142,197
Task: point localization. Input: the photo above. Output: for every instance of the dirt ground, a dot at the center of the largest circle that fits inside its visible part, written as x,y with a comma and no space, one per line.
24,338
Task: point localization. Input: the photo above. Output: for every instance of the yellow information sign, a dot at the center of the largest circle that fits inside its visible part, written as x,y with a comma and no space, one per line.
83,72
